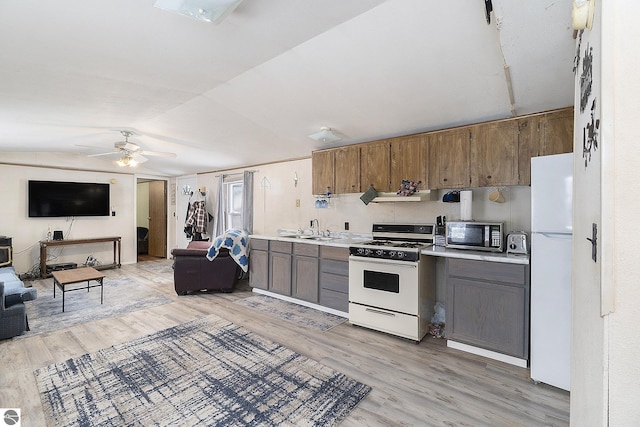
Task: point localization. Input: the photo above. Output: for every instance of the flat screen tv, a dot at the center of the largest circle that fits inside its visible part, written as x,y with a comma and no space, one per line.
66,199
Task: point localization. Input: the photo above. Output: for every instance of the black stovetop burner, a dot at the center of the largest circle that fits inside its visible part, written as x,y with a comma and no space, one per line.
396,244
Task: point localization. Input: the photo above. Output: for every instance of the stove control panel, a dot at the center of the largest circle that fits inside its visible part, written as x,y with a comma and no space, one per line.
394,254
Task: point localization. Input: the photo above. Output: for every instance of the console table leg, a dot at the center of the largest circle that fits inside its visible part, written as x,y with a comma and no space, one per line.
101,290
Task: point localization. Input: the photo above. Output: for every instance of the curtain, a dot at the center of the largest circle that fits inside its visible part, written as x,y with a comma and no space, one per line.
247,201
218,218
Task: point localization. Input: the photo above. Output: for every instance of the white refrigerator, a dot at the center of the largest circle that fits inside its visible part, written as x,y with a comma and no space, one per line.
551,249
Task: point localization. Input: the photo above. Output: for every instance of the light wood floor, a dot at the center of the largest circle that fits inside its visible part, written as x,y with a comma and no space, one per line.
413,384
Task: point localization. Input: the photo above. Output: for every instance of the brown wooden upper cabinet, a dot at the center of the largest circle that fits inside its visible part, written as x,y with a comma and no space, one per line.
322,171
375,165
494,154
449,154
409,160
488,154
347,170
543,135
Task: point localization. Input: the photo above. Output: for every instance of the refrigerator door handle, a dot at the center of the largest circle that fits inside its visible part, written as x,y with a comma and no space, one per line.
554,235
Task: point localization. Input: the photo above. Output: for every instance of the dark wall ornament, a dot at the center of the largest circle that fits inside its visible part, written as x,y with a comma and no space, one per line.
586,78
590,135
576,58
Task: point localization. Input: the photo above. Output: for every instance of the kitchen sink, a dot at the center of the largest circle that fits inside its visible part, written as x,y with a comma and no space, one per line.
307,237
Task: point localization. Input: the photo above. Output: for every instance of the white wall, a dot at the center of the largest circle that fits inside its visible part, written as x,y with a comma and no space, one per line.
624,340
27,232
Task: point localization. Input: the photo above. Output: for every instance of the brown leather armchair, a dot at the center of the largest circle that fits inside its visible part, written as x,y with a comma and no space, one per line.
192,271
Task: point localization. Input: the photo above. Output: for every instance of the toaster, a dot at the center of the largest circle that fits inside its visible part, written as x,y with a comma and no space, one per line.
517,243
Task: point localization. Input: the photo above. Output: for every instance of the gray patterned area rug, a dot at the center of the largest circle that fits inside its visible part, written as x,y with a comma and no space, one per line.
296,313
207,372
121,295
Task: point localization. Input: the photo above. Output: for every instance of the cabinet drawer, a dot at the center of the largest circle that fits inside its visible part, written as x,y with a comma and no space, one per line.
333,252
282,247
306,249
334,282
259,244
334,267
487,271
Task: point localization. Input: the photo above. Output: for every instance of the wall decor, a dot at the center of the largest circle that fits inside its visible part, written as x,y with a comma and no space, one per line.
586,78
590,135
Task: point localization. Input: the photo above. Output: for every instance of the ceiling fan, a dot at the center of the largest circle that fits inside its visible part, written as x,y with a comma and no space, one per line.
131,154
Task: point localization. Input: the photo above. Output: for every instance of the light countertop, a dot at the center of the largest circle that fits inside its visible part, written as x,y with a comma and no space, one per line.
345,240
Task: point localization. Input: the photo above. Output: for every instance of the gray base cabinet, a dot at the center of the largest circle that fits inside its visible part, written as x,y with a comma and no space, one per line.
314,273
334,278
305,272
280,267
259,264
487,305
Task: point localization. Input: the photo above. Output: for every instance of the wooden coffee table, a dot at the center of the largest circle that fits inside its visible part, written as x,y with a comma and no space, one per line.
64,278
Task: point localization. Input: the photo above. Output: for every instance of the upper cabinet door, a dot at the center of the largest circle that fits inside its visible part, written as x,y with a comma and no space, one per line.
558,132
347,170
494,154
322,167
530,131
375,165
409,157
543,135
449,153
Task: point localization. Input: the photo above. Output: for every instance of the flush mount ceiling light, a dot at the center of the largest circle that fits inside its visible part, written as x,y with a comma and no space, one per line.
325,135
212,11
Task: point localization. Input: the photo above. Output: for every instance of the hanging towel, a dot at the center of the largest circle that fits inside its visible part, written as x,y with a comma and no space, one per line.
236,241
369,195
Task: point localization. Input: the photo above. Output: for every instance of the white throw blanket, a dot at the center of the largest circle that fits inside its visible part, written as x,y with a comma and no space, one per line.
236,241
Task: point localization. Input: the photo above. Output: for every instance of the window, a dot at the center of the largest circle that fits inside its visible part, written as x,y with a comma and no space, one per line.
233,190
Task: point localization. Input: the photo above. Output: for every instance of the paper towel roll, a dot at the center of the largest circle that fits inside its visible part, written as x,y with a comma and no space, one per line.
466,199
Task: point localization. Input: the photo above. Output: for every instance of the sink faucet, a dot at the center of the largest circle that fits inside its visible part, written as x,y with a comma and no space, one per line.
314,222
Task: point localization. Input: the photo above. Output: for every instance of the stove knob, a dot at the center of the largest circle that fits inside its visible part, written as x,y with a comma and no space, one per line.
367,251
360,251
392,254
379,252
400,254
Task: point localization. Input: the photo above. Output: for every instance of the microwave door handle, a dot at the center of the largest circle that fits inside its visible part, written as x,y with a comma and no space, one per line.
487,236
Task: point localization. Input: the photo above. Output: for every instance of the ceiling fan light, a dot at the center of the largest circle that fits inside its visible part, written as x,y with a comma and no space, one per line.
213,11
325,135
126,160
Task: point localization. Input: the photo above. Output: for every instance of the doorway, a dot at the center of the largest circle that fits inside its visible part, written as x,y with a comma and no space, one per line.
151,219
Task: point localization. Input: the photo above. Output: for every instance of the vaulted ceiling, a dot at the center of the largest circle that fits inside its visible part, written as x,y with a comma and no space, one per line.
250,90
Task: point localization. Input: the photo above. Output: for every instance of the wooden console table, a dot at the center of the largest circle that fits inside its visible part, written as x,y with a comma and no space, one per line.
45,244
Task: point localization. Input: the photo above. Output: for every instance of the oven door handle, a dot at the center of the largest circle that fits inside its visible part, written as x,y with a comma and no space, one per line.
385,313
405,264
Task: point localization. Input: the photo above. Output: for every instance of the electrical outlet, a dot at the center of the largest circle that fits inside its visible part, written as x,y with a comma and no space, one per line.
346,225
297,203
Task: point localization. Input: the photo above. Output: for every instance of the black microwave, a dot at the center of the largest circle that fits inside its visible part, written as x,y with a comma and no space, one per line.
475,235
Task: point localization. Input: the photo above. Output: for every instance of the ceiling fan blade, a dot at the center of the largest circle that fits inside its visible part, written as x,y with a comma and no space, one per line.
129,146
138,158
157,153
102,154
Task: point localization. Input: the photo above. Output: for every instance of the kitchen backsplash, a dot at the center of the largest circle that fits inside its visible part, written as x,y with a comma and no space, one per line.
278,187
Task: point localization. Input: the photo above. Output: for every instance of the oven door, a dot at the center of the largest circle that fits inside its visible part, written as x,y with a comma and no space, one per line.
387,284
